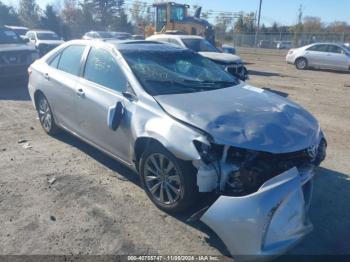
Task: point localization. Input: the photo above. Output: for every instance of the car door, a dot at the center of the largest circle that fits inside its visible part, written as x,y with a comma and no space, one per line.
317,55
60,80
102,84
337,58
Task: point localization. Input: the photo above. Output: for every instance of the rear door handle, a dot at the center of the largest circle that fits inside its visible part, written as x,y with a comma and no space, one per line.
80,93
47,77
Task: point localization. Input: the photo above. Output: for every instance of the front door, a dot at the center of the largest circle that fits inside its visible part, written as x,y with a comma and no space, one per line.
101,88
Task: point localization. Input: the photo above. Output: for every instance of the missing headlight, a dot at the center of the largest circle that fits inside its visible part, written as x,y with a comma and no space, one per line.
208,152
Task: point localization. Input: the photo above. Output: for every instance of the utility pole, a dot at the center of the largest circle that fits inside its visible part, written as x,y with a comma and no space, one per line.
258,26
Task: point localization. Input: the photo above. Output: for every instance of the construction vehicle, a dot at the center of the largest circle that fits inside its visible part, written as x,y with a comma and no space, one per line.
173,18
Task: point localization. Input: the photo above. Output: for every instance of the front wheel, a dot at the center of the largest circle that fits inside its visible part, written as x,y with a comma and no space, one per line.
301,63
168,181
45,115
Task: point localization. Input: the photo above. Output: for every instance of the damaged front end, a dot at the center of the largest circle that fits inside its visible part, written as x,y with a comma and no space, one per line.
264,197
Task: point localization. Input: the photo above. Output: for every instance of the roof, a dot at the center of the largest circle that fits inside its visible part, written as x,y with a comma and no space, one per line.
176,36
41,31
131,45
16,27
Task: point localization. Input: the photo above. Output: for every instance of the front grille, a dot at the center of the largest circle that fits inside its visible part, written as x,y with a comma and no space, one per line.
14,58
236,70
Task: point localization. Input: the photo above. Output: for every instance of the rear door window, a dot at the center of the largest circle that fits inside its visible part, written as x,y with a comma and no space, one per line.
70,59
319,48
101,68
334,49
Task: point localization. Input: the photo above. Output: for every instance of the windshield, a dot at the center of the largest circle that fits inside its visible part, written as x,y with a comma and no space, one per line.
47,36
346,48
175,72
9,37
199,45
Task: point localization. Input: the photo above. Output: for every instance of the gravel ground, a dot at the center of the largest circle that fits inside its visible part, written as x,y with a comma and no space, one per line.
61,196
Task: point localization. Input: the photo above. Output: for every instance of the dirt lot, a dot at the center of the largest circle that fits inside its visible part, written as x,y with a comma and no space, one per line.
96,206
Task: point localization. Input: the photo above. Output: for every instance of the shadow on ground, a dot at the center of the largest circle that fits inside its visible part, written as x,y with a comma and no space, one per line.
14,90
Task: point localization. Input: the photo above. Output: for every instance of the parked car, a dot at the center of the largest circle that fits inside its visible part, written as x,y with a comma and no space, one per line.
320,56
265,44
44,40
15,54
20,30
284,45
232,63
121,35
97,35
188,126
228,49
138,37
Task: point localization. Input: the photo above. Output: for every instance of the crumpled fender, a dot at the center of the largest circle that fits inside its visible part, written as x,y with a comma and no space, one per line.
267,222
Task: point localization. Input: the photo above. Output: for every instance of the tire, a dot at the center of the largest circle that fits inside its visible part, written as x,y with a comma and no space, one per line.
46,118
172,174
301,63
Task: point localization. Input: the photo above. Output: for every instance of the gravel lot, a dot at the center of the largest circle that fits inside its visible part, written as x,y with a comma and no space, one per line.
61,196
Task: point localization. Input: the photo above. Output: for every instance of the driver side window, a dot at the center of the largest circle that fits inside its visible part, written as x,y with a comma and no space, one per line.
101,68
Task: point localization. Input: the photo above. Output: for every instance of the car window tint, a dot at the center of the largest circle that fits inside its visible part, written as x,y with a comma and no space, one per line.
54,61
319,48
334,49
70,59
101,68
175,42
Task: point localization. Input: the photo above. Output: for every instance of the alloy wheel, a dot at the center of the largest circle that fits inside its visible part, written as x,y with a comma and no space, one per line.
162,179
45,114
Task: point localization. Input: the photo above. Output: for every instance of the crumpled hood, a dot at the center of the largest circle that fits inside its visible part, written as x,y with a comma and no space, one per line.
16,47
246,117
221,57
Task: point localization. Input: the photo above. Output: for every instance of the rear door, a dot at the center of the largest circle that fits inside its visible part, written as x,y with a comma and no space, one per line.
337,58
61,77
102,85
317,55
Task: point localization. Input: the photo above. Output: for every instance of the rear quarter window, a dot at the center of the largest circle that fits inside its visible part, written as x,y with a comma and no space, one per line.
70,59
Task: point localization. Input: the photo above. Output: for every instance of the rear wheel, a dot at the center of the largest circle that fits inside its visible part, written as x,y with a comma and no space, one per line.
168,181
301,63
45,115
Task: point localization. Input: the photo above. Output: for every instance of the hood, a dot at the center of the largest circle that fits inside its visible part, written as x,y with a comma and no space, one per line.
16,47
246,117
50,42
223,58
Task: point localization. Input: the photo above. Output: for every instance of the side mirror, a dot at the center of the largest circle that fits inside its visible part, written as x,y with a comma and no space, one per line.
115,116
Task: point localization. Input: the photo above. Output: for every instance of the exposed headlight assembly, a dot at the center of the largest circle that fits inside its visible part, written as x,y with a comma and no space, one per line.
208,152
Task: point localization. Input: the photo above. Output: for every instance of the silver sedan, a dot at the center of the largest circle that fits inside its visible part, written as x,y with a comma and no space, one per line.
188,126
320,56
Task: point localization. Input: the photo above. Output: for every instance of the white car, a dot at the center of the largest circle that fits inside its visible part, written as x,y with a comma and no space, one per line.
44,40
232,63
320,56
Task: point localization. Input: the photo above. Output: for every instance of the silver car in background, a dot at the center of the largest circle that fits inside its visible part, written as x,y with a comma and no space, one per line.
320,56
186,126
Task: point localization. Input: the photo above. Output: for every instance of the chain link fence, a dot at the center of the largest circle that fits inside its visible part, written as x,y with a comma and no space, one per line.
270,40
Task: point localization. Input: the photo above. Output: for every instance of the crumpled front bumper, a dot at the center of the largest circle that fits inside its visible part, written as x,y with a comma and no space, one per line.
267,222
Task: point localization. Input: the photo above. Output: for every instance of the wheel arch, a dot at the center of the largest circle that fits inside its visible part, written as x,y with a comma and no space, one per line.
141,144
36,97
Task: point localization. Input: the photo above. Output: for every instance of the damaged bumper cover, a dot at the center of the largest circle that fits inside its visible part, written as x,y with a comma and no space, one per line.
267,222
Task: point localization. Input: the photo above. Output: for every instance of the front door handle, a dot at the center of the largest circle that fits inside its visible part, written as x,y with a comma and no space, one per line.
80,93
47,77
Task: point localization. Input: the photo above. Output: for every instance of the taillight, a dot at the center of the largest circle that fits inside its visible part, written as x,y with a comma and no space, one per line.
29,71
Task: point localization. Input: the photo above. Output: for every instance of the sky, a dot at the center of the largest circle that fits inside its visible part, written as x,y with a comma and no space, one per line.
283,12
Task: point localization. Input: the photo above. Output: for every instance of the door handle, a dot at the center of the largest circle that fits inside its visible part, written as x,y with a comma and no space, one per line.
80,93
46,76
